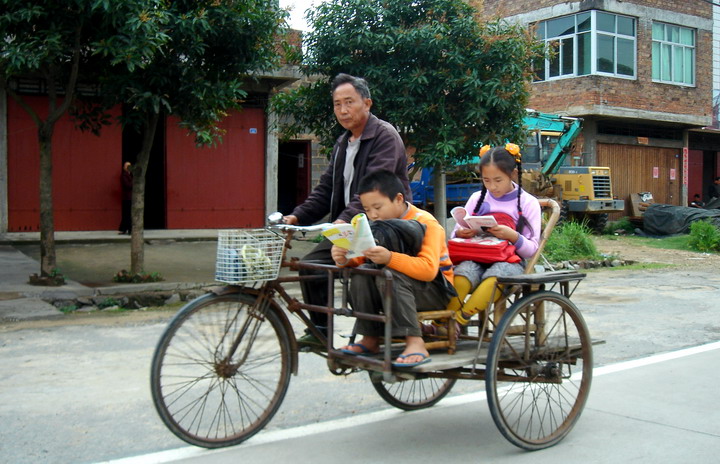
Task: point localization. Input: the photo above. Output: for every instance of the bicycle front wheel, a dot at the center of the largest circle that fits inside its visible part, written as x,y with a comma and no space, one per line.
220,370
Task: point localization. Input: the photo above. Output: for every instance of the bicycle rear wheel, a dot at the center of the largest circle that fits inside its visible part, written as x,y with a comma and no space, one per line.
539,370
412,394
220,370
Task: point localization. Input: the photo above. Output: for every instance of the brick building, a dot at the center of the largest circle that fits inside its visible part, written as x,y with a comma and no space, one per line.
643,75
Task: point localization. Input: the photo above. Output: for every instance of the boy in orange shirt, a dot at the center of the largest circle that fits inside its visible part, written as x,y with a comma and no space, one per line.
415,285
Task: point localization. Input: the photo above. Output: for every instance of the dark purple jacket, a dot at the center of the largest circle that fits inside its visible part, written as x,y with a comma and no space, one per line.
380,148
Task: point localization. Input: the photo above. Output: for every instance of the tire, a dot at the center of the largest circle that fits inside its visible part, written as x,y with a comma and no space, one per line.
411,395
536,391
206,400
597,222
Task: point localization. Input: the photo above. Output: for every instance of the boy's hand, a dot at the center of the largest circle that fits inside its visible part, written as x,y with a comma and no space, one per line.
378,255
504,233
339,255
465,233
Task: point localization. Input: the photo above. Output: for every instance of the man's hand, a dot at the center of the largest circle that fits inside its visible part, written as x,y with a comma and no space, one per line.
378,254
465,233
339,221
339,255
290,220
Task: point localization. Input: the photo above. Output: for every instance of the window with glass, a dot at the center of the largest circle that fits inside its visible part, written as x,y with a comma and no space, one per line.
591,42
673,54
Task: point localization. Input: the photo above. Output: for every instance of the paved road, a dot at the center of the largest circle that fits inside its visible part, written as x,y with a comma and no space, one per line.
79,392
639,411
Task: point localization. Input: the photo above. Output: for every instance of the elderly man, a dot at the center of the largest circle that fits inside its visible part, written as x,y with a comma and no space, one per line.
368,144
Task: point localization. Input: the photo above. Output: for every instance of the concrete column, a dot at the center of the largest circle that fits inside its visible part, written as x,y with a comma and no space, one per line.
271,163
589,152
682,175
3,163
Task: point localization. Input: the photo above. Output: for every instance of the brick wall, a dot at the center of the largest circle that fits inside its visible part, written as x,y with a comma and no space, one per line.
503,8
588,94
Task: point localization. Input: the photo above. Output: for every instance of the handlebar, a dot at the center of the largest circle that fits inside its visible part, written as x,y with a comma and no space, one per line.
275,221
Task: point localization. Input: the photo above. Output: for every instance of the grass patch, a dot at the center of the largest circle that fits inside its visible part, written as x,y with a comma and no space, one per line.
571,241
674,242
637,267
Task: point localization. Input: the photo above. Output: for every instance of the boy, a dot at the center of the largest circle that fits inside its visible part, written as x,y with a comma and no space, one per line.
415,285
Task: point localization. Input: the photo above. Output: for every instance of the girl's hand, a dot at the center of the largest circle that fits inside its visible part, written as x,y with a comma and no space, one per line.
378,255
465,233
504,233
339,255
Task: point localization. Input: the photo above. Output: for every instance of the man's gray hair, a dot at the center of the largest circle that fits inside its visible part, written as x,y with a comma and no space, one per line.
359,83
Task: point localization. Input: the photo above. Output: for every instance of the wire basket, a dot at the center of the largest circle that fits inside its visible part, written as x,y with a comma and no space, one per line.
248,255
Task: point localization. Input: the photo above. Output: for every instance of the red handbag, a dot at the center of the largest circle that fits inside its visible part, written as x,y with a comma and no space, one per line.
482,250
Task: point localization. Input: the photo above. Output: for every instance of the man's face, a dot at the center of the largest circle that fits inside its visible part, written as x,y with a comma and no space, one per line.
379,207
351,110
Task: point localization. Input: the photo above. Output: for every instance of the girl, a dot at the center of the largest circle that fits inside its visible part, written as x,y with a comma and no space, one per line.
499,194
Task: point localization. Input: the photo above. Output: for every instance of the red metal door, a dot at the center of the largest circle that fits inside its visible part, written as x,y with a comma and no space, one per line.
222,186
86,172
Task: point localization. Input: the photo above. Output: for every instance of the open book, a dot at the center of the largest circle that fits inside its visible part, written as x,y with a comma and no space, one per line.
467,221
355,237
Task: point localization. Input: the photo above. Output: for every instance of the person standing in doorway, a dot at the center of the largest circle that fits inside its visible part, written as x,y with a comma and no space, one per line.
126,180
368,144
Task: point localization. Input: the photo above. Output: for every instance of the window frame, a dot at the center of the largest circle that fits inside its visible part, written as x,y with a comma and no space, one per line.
664,42
593,33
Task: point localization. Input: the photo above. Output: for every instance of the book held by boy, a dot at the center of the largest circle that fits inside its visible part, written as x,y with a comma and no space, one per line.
355,237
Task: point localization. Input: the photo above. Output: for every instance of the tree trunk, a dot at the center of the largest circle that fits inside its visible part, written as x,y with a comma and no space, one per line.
439,188
137,241
47,216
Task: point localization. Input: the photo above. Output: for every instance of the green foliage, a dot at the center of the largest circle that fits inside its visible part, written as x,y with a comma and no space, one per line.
445,80
68,308
622,225
129,278
704,236
108,302
194,61
571,241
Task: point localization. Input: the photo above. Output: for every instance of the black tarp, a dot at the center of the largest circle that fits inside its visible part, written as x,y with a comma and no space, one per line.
660,219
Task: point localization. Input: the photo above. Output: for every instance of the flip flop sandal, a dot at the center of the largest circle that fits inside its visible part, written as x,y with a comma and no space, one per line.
426,359
364,350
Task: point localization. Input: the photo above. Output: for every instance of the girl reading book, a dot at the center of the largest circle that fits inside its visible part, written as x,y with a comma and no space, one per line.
518,215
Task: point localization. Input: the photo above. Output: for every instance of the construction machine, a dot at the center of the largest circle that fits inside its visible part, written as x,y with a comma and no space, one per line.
585,192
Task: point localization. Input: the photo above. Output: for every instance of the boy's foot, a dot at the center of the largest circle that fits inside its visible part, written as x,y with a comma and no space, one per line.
411,360
414,353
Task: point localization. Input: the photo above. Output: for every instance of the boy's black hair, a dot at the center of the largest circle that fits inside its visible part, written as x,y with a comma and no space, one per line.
359,83
383,181
507,163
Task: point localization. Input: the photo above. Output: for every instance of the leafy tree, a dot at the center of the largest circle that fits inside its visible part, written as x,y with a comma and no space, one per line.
55,41
209,50
445,79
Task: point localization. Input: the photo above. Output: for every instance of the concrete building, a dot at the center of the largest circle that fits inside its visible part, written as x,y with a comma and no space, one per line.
645,77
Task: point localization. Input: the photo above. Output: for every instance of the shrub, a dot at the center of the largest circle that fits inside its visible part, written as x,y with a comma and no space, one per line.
704,236
125,277
622,224
571,241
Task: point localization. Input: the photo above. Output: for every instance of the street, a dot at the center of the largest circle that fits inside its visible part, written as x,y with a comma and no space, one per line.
77,390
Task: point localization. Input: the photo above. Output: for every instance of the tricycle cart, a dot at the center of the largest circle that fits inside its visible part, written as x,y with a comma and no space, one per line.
222,367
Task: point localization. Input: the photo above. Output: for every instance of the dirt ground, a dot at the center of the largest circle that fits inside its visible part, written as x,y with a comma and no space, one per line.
629,249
